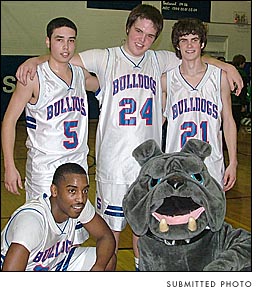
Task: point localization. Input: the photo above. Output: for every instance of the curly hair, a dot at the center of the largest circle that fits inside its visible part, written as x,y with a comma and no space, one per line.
188,26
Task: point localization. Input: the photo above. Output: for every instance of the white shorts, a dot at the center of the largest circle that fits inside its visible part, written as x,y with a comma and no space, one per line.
109,199
40,169
78,259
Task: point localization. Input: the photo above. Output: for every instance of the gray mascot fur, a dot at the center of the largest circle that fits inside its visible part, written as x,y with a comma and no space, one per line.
177,209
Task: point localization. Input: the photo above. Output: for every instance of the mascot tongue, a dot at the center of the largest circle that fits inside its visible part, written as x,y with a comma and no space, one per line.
179,219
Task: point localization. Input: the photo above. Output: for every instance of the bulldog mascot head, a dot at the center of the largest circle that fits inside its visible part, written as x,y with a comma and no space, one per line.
177,209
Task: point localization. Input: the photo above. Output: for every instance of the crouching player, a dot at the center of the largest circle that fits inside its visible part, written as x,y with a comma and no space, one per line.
39,235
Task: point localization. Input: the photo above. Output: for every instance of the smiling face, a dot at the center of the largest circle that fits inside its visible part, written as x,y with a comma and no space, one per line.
62,44
140,37
190,46
69,196
192,31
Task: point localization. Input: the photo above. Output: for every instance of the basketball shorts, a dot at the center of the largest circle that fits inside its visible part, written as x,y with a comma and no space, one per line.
109,199
40,169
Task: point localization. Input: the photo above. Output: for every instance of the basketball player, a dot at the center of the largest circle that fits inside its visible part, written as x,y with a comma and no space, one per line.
198,102
130,106
52,222
56,107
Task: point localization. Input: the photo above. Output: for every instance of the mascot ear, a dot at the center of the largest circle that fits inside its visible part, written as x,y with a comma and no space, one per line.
200,148
136,207
145,151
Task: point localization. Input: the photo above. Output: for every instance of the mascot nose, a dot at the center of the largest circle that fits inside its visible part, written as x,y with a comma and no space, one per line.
175,181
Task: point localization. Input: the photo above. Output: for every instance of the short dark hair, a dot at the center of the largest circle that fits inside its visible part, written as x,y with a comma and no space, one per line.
67,168
145,11
57,23
188,26
238,60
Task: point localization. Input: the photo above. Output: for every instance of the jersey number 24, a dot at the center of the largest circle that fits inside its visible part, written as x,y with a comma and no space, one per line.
129,104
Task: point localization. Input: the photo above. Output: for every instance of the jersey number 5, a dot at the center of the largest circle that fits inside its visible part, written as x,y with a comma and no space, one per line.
71,134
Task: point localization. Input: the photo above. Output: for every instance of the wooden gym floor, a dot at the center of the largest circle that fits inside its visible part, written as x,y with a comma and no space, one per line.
238,199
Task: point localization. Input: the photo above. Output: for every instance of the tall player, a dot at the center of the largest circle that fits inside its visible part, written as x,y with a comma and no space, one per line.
52,221
198,102
56,107
131,106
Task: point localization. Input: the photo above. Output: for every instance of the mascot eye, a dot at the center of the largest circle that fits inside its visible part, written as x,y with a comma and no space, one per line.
153,182
198,177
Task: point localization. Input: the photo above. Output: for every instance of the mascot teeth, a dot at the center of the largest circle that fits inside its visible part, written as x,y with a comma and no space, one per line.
192,225
163,227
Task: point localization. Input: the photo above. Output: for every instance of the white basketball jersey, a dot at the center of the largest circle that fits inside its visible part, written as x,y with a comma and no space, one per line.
196,113
57,127
131,112
51,243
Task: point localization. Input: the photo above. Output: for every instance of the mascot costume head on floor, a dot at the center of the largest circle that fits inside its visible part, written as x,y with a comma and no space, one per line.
177,209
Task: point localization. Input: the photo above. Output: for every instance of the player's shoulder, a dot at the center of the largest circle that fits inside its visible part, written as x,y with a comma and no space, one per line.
165,53
93,53
32,212
214,70
212,67
37,205
43,67
167,60
77,69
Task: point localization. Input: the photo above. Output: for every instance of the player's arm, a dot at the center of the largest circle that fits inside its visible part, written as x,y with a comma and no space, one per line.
21,96
105,244
230,133
29,67
92,83
232,74
16,258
